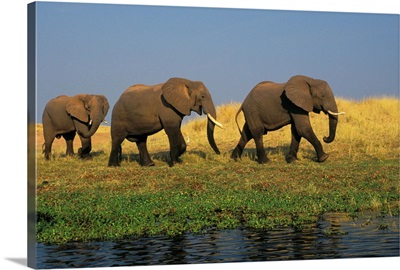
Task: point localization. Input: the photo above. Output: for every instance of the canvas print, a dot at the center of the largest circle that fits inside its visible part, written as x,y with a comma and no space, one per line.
162,135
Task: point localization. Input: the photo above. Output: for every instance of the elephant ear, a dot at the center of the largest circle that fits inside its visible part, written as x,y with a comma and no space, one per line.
297,90
106,106
76,108
177,93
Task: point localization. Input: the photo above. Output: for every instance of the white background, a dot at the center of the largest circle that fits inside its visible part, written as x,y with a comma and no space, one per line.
13,132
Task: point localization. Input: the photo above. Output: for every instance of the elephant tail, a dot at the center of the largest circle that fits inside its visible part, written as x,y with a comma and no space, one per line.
236,120
43,147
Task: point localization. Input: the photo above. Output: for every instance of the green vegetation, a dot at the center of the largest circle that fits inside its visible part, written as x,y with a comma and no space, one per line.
85,200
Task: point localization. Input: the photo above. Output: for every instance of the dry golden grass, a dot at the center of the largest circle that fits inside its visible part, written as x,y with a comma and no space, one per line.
369,129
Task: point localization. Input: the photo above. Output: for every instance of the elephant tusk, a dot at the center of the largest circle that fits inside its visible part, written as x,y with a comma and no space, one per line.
105,122
214,121
333,113
90,122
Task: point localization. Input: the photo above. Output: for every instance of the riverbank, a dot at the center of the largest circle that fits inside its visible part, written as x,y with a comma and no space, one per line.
334,236
86,200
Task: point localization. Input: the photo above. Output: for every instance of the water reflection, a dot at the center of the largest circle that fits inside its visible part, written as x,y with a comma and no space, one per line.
334,236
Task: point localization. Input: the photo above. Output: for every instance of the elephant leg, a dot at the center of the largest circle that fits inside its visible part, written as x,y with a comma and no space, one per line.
312,138
69,140
258,139
256,127
304,129
119,156
145,159
116,152
86,147
257,130
177,144
49,136
294,146
245,136
47,147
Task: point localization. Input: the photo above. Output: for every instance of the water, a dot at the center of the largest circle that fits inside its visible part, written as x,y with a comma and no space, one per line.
334,236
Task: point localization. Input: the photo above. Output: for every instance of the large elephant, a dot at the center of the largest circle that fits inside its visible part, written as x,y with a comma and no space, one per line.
65,116
145,110
270,106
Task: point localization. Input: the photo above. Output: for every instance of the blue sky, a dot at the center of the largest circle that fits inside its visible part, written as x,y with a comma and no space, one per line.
101,48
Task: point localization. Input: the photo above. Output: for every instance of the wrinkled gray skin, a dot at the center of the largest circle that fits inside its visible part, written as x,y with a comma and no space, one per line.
145,110
65,116
270,106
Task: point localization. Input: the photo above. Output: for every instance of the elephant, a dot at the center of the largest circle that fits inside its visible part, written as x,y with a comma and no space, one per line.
144,110
269,106
65,116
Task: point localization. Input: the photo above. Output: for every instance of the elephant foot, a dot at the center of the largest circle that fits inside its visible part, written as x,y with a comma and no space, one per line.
323,157
236,154
263,160
113,164
83,154
291,159
173,162
235,157
147,163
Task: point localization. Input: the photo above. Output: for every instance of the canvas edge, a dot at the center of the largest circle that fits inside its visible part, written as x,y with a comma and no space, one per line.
31,61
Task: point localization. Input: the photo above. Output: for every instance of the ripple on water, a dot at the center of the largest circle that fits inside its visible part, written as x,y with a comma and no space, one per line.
335,236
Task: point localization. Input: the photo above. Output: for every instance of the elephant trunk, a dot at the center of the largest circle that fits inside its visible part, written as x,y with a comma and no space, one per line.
211,116
210,136
93,128
333,121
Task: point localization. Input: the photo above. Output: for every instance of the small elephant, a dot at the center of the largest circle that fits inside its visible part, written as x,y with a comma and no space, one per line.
270,106
145,110
64,116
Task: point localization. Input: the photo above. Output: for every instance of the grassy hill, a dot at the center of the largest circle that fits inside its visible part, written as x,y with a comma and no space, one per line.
83,200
